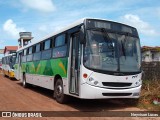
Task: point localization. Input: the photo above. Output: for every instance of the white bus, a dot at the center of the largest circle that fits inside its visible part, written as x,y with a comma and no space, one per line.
90,59
8,62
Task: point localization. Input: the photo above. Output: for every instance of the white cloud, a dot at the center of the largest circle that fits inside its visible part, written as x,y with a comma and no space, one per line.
142,26
40,5
43,28
2,42
10,27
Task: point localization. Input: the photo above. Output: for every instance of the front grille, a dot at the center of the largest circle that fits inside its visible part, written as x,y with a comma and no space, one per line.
116,84
116,94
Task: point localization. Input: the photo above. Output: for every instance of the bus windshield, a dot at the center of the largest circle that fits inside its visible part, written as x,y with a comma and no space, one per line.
111,52
12,61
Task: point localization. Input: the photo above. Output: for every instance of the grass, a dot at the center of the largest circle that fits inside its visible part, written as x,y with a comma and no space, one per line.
150,91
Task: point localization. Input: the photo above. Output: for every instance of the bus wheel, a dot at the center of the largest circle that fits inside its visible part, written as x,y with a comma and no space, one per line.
5,75
59,92
25,85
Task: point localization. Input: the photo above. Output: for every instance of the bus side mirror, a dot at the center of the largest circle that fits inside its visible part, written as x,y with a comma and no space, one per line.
82,36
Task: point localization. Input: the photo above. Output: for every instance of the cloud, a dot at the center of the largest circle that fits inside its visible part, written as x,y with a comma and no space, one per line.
142,26
10,27
2,42
42,28
40,5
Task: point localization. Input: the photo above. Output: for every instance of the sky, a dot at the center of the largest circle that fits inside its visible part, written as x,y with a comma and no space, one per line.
43,17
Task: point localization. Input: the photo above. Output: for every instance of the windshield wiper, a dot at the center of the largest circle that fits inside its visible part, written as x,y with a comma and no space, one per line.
104,30
123,49
106,37
123,44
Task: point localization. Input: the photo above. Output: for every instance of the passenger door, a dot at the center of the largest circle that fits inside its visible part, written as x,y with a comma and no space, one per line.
17,70
75,64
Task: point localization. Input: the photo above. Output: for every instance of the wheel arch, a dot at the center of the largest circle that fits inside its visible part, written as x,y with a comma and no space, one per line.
23,73
57,76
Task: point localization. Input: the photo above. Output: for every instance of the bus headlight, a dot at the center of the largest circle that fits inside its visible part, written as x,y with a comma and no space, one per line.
92,81
138,83
95,82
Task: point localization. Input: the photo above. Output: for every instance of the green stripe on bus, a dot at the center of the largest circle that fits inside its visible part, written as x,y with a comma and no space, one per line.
47,67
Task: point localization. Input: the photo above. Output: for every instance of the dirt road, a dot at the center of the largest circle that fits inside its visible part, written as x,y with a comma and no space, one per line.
13,97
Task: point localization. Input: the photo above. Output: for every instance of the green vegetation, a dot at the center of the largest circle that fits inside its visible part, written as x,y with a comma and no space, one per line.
150,92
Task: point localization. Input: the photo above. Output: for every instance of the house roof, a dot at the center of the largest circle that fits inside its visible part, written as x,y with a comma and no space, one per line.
148,48
10,48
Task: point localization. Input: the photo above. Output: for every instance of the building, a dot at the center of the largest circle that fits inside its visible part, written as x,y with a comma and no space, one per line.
25,39
150,54
10,50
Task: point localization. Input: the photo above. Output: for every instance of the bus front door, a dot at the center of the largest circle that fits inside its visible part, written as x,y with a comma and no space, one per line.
75,64
18,68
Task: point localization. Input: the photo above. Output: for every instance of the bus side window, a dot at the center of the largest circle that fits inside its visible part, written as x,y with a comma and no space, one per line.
30,50
25,52
24,55
47,44
46,53
37,54
60,40
60,48
37,47
29,56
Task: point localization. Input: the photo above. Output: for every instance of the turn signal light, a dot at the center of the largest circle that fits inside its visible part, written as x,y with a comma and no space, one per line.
85,75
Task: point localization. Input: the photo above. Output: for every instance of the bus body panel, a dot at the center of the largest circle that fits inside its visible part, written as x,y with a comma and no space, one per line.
42,73
44,81
11,74
107,81
116,84
16,71
91,92
7,66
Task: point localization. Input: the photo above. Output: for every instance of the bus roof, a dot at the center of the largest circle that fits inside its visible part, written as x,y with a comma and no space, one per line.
12,54
76,23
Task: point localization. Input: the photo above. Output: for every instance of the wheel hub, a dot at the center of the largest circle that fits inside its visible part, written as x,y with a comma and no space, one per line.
59,90
24,82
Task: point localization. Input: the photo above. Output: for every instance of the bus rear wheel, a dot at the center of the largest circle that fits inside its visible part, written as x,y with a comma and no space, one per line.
59,92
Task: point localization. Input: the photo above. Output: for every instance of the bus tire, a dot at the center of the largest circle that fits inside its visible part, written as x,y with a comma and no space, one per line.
5,75
59,92
24,84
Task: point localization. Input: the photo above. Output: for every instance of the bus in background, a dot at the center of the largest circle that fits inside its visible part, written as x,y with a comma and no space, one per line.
0,64
8,62
90,59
